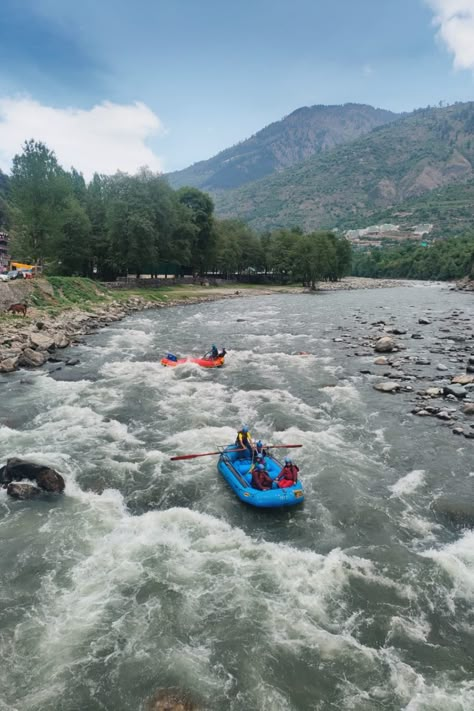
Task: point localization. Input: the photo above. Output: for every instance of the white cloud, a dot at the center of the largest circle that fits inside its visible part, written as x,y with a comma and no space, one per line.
455,20
107,138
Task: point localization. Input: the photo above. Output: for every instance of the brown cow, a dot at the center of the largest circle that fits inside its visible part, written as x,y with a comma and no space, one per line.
18,309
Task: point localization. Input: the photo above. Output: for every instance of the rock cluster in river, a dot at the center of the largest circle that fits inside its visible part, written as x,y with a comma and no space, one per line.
439,376
15,471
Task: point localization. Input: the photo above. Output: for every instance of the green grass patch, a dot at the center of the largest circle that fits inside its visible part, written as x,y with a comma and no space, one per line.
77,290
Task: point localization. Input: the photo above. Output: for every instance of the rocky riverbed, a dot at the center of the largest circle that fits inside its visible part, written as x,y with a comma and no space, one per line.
31,342
431,361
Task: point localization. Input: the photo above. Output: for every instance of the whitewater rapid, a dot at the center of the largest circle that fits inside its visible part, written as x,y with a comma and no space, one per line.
150,574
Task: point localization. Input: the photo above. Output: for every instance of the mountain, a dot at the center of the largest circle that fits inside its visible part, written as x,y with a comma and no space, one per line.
425,150
304,133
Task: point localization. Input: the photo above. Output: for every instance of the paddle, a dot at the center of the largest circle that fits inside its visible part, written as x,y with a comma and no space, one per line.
239,449
205,454
281,446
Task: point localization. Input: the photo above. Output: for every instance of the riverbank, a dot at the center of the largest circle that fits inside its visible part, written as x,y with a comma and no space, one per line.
61,310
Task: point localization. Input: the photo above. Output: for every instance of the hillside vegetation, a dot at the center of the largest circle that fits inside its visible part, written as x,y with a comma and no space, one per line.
429,149
304,133
449,209
444,260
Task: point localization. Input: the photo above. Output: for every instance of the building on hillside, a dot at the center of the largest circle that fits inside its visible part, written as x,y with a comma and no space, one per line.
387,234
3,252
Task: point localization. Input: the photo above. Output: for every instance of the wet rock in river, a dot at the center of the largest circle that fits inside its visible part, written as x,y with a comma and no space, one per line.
46,478
23,491
463,379
391,387
32,359
396,331
457,390
385,345
424,321
434,392
460,512
73,361
468,408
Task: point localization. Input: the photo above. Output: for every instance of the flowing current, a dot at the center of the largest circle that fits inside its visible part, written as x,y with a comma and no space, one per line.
149,574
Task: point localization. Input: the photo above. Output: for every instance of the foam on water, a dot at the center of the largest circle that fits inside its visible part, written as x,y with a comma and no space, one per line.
409,483
457,560
111,595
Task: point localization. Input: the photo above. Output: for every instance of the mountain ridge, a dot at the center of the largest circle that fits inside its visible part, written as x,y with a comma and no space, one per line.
304,132
417,153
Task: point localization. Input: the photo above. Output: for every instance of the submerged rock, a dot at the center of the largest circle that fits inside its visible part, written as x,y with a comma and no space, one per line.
387,387
460,512
23,491
170,700
468,408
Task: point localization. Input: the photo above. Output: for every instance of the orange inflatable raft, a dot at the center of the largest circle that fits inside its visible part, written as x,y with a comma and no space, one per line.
203,362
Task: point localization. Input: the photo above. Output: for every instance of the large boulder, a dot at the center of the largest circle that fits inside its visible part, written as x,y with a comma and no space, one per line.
9,364
385,345
17,469
170,700
32,359
42,341
23,491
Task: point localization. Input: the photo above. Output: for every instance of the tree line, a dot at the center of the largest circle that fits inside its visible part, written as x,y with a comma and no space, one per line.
137,224
444,260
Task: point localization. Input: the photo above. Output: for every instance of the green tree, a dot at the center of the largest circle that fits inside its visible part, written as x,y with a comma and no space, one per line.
203,250
39,189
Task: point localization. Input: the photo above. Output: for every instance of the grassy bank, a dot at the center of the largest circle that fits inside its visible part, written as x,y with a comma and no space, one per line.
52,295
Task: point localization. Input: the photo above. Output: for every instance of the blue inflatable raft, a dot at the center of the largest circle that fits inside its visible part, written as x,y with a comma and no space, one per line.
236,471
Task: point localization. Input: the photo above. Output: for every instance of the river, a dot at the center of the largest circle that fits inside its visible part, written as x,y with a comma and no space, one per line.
150,574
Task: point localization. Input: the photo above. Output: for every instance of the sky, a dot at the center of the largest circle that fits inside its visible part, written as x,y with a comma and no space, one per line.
116,85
